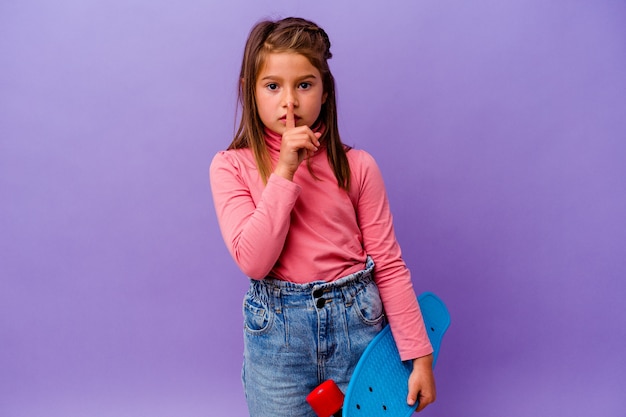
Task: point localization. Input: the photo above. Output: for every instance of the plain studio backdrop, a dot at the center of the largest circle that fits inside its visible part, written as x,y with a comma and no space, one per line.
500,130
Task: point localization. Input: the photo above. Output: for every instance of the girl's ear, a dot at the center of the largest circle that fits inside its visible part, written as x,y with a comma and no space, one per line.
324,97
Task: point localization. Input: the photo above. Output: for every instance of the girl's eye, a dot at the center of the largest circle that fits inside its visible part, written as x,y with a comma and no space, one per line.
305,86
272,87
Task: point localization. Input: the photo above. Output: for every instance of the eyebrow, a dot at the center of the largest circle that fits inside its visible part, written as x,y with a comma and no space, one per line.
275,77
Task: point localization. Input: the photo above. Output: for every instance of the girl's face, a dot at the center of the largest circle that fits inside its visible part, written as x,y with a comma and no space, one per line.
288,78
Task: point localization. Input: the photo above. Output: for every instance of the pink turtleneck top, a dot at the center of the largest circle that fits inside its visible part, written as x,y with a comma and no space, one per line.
310,229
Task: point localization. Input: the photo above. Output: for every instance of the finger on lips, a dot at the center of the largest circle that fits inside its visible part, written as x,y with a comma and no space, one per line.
290,122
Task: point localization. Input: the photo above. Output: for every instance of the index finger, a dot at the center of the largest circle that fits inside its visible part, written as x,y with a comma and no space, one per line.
290,122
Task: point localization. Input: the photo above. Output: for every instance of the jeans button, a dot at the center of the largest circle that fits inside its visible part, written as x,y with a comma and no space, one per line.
318,293
320,302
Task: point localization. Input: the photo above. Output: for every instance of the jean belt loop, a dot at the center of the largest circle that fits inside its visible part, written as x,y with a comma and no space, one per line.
347,294
277,300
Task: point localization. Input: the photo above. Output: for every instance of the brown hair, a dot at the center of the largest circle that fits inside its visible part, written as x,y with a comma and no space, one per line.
288,35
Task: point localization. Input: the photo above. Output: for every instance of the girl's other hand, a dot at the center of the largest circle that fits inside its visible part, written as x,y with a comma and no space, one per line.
422,383
297,144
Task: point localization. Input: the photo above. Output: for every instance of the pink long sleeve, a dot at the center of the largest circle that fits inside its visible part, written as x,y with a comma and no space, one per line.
392,276
254,221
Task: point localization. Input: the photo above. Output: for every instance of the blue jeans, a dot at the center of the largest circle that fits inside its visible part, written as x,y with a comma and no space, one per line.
298,335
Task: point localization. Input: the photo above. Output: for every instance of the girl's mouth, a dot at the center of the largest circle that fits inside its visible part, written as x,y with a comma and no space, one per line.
295,118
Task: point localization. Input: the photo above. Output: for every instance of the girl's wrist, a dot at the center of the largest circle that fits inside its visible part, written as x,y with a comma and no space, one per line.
285,173
424,361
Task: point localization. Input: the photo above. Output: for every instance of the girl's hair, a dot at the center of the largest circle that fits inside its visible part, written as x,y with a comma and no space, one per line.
300,36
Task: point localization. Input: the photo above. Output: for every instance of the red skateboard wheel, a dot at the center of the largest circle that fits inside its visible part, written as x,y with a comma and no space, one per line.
326,400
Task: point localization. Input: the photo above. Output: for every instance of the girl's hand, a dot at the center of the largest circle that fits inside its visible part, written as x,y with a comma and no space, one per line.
297,144
422,383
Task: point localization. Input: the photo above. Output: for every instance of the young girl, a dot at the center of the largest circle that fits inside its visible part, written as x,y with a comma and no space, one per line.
307,219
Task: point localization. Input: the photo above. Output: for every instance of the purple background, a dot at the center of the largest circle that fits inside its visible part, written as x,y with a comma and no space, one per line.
500,130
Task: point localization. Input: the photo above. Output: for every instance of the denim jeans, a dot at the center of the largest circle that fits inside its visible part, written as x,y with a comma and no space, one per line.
298,335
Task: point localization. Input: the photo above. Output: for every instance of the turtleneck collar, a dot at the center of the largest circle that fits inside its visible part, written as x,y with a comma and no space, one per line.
272,140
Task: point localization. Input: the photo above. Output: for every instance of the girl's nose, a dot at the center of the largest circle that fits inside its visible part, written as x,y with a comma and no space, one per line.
290,97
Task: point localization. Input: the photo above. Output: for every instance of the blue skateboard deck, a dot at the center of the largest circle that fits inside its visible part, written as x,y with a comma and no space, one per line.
378,386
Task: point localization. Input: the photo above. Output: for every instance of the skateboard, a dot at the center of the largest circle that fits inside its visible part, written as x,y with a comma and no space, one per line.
379,383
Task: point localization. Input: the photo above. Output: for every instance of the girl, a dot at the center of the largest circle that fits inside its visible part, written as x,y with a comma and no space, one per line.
307,219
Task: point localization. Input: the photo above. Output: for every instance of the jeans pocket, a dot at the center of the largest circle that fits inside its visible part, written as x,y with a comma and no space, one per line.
256,314
369,306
